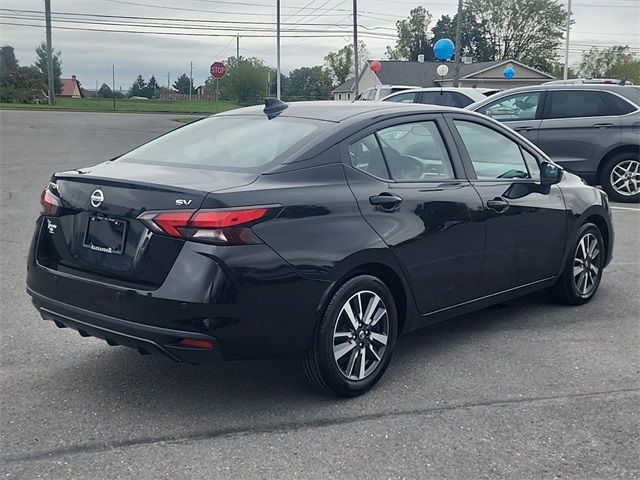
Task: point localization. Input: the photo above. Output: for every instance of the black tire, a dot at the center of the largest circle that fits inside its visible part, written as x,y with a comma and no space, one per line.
623,192
569,288
322,369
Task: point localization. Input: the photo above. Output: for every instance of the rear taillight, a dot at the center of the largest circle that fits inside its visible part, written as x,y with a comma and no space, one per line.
51,204
220,227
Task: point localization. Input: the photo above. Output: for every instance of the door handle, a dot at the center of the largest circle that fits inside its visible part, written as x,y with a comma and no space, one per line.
603,125
523,129
498,204
386,200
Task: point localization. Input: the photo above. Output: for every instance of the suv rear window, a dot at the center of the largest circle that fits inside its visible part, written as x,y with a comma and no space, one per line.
235,143
616,105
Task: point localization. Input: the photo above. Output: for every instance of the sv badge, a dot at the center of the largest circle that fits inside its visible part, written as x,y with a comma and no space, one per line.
182,201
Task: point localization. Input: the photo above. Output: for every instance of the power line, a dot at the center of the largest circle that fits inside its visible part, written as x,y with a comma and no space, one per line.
251,35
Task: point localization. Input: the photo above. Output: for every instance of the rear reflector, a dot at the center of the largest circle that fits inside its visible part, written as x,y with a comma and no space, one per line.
196,343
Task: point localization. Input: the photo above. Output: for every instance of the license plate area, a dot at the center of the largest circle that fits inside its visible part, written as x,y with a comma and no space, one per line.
105,235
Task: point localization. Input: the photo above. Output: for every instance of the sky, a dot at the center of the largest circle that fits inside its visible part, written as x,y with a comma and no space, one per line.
319,27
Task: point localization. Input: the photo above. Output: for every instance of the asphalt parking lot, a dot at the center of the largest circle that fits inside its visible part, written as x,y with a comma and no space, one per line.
528,389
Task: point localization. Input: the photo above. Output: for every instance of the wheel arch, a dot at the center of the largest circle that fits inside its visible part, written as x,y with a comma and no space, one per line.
386,274
628,148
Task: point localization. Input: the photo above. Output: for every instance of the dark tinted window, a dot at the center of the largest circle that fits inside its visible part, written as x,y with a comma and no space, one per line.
616,105
493,155
365,155
439,98
415,152
463,100
403,98
574,104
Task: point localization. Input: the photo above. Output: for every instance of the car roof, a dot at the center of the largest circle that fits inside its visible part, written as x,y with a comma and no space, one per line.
337,111
629,92
466,90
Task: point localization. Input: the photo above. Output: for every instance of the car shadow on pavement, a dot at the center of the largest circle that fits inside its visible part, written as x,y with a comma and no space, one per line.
122,373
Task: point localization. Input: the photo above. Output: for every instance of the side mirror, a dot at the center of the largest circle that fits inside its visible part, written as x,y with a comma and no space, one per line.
550,173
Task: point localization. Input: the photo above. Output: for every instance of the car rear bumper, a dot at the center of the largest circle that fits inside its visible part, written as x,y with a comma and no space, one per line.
116,331
245,300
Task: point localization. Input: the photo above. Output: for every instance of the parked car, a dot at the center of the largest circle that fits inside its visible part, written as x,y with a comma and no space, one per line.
315,229
380,91
591,130
448,96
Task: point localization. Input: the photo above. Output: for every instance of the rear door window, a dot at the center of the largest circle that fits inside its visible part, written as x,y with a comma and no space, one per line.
616,105
575,104
415,152
365,155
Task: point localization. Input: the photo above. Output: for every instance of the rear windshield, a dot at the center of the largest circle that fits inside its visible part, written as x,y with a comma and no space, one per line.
235,143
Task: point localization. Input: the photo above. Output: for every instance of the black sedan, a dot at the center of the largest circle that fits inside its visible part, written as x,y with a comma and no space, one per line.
320,230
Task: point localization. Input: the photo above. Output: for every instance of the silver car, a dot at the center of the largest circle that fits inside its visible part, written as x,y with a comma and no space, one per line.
591,130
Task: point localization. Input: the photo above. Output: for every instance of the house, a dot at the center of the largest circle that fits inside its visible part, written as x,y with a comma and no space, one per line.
423,74
70,88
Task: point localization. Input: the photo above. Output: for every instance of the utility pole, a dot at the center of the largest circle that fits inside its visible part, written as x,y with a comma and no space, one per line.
238,66
190,80
278,47
168,81
456,58
113,79
47,13
355,48
566,47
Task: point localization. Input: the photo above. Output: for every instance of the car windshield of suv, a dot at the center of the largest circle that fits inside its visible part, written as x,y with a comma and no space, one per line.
236,143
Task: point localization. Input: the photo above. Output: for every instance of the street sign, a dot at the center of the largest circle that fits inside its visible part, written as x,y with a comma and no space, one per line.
218,70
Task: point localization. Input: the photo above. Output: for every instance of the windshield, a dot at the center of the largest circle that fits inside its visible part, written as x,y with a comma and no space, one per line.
235,143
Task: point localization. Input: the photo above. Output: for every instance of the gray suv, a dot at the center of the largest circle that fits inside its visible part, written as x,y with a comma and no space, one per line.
591,130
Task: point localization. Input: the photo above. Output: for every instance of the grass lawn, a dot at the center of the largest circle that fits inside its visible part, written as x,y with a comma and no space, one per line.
124,105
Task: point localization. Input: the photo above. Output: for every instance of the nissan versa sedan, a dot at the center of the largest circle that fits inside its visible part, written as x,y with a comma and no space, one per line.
591,130
320,230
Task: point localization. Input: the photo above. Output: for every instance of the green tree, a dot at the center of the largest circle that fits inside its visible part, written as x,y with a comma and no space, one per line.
105,91
529,31
152,87
182,84
311,82
614,62
19,84
245,81
473,41
42,66
139,87
340,64
413,37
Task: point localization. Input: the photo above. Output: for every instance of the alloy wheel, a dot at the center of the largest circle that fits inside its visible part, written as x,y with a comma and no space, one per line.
360,335
586,264
625,178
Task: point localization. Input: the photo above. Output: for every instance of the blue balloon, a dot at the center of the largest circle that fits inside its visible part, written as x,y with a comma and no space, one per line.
508,72
444,49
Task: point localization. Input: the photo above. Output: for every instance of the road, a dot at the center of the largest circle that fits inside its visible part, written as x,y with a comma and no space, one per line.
528,389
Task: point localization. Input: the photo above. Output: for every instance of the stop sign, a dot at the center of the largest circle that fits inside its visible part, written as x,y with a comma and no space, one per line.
218,70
